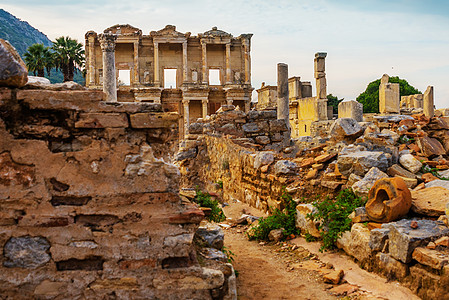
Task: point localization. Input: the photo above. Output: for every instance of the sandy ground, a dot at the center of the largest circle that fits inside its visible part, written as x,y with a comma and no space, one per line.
283,270
265,273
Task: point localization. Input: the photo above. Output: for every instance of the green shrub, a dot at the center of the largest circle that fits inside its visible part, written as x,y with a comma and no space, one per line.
333,215
205,200
279,219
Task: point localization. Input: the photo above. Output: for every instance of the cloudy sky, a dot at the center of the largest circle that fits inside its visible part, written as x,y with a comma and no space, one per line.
363,39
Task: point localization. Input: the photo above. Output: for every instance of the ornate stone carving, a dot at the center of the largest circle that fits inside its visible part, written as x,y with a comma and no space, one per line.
169,31
107,41
214,32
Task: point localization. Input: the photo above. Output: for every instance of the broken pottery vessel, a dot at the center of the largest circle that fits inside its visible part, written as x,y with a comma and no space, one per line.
389,199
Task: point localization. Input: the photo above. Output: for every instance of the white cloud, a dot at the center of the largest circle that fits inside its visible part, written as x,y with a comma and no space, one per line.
363,41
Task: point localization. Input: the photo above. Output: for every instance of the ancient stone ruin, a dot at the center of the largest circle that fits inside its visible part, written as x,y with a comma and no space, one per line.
145,60
96,182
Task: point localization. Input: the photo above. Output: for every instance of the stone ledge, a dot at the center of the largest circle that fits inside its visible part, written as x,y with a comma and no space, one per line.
102,120
153,120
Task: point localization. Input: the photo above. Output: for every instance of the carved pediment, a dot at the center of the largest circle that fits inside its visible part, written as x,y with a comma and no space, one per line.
215,32
169,32
124,29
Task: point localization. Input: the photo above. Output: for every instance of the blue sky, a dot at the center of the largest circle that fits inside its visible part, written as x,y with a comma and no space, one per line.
363,39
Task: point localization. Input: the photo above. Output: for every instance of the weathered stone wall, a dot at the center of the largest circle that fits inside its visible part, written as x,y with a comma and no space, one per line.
89,208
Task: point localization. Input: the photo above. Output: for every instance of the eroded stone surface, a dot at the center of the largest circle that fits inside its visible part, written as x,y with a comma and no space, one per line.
26,252
13,71
403,239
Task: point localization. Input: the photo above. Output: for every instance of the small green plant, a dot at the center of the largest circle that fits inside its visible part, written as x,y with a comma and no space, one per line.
279,219
333,215
434,171
220,184
205,200
403,139
310,238
229,254
225,165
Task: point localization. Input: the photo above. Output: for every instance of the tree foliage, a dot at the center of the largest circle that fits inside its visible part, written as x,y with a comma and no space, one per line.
38,58
370,97
333,101
68,56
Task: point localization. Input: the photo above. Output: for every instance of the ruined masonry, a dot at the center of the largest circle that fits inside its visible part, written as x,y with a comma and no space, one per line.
143,61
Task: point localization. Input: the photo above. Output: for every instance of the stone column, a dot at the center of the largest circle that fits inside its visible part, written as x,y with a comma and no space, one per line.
204,59
186,116
184,61
204,102
156,64
428,105
247,105
247,57
107,43
136,63
228,63
282,90
320,75
229,102
92,66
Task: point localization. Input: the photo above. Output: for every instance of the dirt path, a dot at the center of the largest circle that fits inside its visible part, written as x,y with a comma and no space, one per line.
265,273
294,270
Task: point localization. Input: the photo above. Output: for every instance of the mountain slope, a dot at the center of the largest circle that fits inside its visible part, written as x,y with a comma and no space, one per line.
21,35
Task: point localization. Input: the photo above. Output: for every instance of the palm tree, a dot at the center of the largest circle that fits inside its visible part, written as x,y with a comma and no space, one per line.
39,58
68,56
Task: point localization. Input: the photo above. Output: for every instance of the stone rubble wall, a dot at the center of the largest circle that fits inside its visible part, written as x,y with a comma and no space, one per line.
89,207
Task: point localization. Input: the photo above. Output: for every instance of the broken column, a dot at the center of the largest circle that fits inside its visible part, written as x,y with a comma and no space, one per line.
389,98
351,109
282,97
320,75
428,105
107,44
321,85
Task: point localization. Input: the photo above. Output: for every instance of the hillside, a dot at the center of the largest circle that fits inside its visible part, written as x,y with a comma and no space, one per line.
22,35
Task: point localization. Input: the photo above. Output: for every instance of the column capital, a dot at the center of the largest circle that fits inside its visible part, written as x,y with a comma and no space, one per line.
185,101
107,41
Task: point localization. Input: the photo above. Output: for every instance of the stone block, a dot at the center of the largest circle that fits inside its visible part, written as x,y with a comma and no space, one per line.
409,162
356,242
102,120
5,94
398,170
432,258
430,146
304,223
430,201
284,167
45,95
154,120
278,125
389,98
359,215
377,239
26,252
360,162
263,158
207,279
177,240
391,267
363,186
403,239
13,71
345,128
50,289
438,182
211,234
262,139
428,102
351,109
